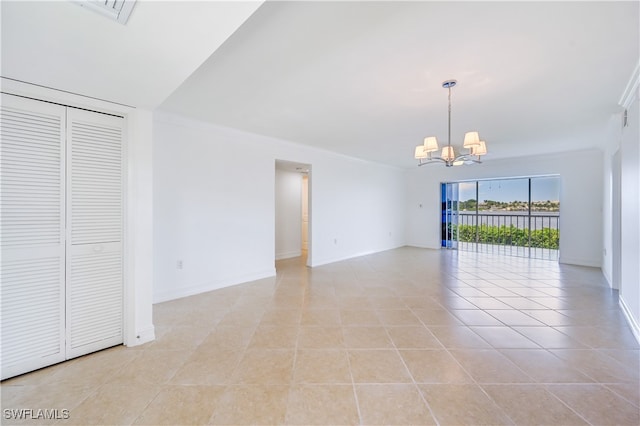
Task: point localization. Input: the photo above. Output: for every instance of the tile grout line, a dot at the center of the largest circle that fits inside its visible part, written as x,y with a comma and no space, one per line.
295,358
415,384
353,382
447,350
546,387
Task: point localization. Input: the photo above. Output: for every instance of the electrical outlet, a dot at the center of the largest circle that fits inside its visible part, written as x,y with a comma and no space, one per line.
179,264
335,241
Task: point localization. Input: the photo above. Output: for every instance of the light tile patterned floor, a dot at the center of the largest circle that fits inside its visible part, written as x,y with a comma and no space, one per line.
407,336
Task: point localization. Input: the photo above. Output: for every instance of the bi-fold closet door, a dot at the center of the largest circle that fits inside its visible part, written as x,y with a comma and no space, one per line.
61,233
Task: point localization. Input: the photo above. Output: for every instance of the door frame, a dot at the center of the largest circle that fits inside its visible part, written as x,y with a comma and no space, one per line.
616,220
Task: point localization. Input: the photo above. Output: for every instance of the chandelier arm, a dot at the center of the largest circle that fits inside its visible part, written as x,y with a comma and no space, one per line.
467,157
431,160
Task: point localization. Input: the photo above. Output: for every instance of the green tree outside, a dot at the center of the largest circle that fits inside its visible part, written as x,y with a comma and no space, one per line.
547,238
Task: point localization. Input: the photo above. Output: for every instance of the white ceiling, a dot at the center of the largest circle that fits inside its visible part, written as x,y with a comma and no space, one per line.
61,45
364,78
359,78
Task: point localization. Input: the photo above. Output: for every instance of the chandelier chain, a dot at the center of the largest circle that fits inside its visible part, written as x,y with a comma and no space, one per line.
449,130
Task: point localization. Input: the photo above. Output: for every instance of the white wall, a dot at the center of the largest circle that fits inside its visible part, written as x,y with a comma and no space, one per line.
214,205
356,208
609,213
139,252
630,217
625,142
580,199
288,207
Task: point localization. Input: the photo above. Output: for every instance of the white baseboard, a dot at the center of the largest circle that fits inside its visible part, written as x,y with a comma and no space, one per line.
178,293
579,262
635,327
608,277
330,260
327,261
429,247
143,336
288,255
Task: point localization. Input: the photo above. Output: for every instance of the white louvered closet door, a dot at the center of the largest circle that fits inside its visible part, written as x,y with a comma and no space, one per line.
32,232
94,232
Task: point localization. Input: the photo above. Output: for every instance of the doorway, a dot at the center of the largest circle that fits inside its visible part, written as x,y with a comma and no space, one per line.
305,215
292,211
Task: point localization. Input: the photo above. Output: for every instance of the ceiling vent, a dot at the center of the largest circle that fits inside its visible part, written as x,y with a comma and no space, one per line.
118,10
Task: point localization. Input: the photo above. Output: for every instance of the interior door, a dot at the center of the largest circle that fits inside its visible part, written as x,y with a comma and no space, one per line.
32,234
94,232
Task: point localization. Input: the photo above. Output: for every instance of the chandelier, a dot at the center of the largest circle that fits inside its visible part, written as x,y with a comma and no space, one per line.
472,142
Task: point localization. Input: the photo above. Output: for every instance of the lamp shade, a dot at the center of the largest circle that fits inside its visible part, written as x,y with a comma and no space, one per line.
481,149
420,152
447,153
471,139
430,144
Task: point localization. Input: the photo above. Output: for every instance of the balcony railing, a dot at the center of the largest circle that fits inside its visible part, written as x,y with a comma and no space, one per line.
518,234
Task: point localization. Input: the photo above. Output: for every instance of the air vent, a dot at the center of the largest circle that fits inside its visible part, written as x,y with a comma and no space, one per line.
118,10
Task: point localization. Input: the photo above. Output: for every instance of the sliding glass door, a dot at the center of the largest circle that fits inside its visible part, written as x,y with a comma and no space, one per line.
449,220
516,217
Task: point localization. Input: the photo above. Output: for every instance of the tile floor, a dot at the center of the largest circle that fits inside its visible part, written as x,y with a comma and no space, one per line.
407,336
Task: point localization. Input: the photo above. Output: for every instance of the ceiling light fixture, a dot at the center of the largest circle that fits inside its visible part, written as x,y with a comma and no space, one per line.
472,142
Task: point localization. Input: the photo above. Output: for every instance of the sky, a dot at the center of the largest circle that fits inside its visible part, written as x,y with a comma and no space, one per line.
505,190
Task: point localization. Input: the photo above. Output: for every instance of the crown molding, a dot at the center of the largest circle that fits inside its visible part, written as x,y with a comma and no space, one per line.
631,91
